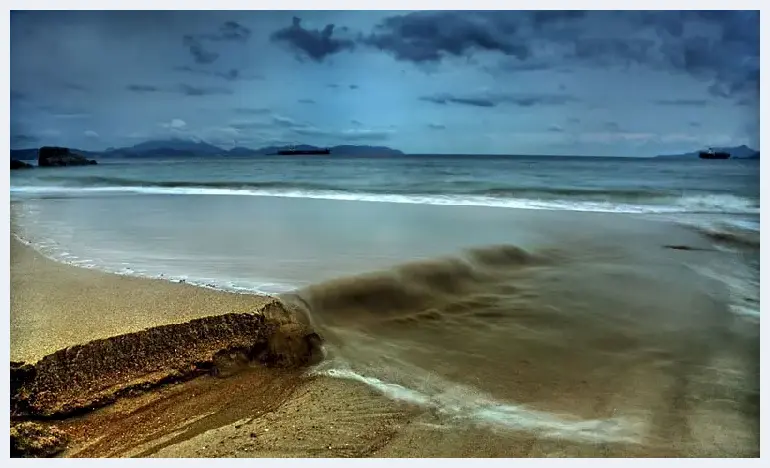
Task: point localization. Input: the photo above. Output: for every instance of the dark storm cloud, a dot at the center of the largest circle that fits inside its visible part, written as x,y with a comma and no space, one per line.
468,101
682,102
729,57
198,51
541,18
230,75
611,51
314,43
429,36
722,47
185,89
492,100
142,88
671,23
529,100
228,31
190,90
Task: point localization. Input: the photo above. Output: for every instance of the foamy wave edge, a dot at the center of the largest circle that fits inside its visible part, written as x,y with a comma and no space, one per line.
264,289
488,412
708,203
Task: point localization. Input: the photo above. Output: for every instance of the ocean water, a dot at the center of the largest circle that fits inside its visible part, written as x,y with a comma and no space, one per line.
623,185
565,296
721,198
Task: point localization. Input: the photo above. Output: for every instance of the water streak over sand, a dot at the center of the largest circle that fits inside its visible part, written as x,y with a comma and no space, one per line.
562,344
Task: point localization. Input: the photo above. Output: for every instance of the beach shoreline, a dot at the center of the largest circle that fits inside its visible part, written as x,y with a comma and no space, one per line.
304,412
55,305
129,432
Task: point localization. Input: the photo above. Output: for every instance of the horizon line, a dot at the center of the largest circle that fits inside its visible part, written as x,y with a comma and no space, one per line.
403,153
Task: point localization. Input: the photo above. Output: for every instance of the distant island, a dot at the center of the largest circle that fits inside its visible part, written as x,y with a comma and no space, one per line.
189,148
736,152
49,156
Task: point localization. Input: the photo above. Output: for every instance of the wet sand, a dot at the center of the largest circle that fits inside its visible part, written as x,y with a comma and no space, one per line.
679,385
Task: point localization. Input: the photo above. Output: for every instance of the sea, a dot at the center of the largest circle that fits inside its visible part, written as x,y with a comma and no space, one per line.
511,291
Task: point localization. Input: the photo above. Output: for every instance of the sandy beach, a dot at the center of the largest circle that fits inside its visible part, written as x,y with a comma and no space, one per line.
54,305
292,415
678,405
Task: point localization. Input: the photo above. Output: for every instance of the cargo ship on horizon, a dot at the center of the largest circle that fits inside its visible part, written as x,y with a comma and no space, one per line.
293,151
711,154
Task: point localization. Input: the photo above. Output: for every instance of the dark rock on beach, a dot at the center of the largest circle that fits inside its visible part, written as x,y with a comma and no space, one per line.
16,164
21,373
31,439
52,156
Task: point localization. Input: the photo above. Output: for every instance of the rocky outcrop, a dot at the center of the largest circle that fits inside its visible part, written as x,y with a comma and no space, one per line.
52,156
84,377
16,164
31,439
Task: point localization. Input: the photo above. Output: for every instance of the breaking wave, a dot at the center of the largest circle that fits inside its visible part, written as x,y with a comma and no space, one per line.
613,201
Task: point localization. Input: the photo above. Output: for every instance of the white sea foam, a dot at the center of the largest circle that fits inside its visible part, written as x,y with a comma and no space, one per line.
50,251
458,404
707,203
742,287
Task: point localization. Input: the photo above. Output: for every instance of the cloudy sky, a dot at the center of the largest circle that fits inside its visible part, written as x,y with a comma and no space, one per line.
539,82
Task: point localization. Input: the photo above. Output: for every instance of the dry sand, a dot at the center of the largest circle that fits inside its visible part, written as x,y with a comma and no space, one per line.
54,305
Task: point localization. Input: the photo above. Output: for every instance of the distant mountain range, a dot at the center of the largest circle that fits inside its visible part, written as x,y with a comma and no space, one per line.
737,152
189,148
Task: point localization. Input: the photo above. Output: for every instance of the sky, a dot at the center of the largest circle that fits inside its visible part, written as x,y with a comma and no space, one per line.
604,83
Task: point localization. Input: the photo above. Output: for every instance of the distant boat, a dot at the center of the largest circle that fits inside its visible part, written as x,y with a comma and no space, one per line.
293,151
711,154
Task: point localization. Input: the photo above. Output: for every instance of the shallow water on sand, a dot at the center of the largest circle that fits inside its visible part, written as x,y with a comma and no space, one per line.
583,326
